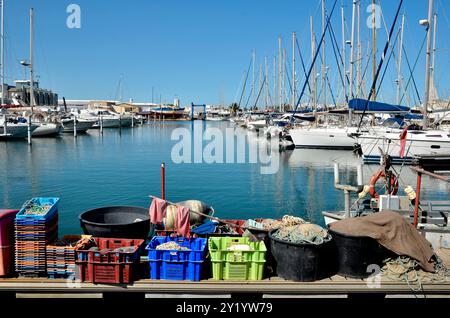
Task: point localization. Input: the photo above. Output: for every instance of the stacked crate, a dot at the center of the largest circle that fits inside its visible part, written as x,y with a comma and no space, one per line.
61,257
36,225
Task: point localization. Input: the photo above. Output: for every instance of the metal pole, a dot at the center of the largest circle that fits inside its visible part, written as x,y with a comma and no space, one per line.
359,174
336,173
427,66
416,203
163,181
132,120
120,123
101,124
75,126
347,203
29,129
5,125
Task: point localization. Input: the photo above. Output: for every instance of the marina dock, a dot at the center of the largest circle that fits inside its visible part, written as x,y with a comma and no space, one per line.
333,287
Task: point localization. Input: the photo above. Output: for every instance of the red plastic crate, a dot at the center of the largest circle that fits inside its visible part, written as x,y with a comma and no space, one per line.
111,256
112,273
109,267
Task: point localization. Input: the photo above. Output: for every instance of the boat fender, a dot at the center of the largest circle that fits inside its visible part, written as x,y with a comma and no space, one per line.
410,193
364,192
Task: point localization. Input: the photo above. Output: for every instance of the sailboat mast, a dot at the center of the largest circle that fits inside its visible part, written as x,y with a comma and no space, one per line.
352,42
284,78
427,65
399,68
280,58
253,75
294,84
274,90
433,57
313,53
266,76
31,62
343,52
374,50
324,64
359,51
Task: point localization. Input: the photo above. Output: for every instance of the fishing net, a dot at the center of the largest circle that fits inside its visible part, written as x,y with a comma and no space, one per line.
407,269
303,233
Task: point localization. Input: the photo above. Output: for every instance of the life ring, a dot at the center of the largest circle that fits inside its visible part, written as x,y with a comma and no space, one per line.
380,174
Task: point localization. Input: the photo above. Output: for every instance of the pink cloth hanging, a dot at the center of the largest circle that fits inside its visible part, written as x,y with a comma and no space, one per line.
182,224
157,210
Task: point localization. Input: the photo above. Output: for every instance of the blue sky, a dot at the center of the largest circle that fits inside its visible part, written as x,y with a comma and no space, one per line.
196,50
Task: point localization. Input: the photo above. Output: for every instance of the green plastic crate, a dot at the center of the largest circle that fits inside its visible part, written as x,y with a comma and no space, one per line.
236,265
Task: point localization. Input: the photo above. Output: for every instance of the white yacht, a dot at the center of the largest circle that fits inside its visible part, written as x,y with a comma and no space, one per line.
416,143
45,129
82,125
108,118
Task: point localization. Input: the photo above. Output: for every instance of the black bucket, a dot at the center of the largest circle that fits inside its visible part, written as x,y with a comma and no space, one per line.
117,222
303,262
355,255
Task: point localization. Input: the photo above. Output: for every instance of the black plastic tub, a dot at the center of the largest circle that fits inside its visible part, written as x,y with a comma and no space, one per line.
117,222
303,262
356,254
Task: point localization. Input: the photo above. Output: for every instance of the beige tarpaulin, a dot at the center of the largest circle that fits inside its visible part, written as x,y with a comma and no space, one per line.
392,231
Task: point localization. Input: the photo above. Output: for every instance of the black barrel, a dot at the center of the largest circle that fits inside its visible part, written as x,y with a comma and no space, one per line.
302,261
357,255
117,222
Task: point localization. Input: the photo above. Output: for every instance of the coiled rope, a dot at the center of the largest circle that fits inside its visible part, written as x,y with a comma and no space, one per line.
408,269
296,230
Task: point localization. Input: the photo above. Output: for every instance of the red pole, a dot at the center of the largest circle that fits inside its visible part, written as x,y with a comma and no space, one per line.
163,181
416,204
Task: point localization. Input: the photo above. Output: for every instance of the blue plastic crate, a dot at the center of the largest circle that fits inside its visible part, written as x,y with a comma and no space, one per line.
175,264
39,201
196,248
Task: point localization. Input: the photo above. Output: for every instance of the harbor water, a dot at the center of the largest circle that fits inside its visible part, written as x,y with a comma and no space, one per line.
122,167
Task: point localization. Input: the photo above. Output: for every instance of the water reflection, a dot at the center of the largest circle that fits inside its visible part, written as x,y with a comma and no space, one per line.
95,170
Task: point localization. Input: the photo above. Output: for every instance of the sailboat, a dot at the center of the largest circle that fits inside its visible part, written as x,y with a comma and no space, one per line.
404,145
14,129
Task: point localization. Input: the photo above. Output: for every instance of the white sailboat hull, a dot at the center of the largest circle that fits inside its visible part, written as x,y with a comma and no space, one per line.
418,143
323,138
16,131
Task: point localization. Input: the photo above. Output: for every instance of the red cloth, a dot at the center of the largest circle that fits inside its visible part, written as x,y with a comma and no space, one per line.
157,210
403,142
182,221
